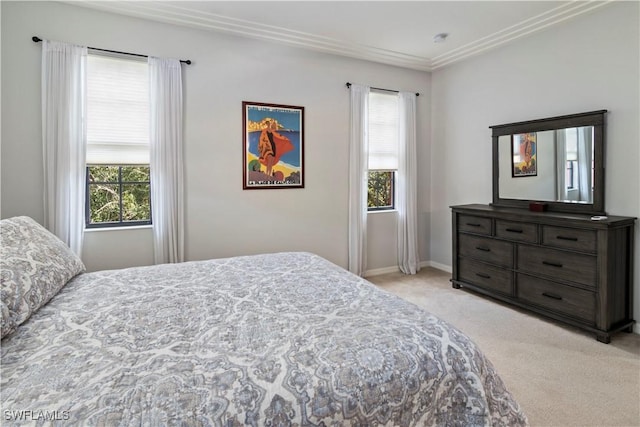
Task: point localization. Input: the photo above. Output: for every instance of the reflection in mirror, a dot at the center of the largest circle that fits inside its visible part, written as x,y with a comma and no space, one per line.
574,147
552,165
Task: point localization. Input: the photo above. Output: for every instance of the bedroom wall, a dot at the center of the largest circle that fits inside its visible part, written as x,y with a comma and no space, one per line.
221,219
589,63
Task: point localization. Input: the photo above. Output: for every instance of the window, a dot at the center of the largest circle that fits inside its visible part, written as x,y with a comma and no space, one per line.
381,186
118,180
118,195
571,178
383,150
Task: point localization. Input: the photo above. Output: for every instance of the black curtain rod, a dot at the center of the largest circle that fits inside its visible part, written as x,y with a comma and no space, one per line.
386,90
185,61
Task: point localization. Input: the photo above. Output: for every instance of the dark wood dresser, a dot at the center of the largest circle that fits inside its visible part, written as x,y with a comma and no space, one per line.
564,266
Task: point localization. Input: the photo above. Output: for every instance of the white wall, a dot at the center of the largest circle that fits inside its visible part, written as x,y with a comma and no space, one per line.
222,219
589,63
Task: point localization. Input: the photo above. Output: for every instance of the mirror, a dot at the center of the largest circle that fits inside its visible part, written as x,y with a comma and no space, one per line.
557,161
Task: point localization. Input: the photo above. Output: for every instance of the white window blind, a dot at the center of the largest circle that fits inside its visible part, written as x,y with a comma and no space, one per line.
117,111
383,131
571,141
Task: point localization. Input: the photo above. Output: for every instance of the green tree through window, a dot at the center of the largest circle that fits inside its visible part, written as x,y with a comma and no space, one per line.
118,195
380,190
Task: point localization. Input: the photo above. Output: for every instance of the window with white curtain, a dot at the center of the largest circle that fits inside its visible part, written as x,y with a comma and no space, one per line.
118,178
383,149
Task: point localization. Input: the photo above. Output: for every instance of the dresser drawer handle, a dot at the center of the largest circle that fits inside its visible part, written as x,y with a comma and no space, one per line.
514,230
484,276
474,224
548,295
572,239
480,248
552,264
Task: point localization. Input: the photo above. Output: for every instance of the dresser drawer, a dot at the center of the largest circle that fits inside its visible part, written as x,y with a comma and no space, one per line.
562,299
574,267
569,238
486,249
474,224
485,276
518,231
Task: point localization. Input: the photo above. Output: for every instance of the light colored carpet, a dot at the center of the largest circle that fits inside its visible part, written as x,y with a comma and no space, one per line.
560,375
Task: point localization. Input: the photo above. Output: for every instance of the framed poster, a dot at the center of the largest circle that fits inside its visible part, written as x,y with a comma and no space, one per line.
524,155
273,146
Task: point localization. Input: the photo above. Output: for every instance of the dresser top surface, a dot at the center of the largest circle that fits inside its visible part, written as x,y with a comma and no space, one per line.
526,215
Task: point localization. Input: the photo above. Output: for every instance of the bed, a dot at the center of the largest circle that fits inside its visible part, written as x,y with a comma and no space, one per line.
282,339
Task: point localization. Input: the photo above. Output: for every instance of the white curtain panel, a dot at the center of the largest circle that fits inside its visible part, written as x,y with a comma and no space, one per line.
408,258
561,165
63,139
166,167
585,157
358,176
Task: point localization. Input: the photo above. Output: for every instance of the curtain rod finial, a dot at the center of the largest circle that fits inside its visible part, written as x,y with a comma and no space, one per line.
36,39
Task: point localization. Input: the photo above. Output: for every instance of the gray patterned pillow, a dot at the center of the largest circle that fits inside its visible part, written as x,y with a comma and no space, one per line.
34,266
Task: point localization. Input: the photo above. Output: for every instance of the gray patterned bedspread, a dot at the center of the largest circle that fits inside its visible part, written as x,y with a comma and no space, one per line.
286,339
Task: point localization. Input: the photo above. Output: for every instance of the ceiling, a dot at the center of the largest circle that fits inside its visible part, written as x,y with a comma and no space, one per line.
392,32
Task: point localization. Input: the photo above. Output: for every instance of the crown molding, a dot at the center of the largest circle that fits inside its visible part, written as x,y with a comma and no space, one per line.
521,29
179,15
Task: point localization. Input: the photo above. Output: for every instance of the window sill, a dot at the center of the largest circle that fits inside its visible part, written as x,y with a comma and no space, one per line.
383,211
131,227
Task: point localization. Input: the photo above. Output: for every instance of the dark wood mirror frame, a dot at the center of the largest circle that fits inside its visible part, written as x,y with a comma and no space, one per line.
592,118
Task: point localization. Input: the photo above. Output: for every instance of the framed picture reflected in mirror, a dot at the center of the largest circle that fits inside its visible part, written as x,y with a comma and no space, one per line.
524,154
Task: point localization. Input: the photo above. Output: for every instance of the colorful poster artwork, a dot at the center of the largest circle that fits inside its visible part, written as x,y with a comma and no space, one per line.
273,146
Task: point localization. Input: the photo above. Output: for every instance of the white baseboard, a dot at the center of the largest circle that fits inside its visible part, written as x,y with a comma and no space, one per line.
395,269
379,271
439,266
